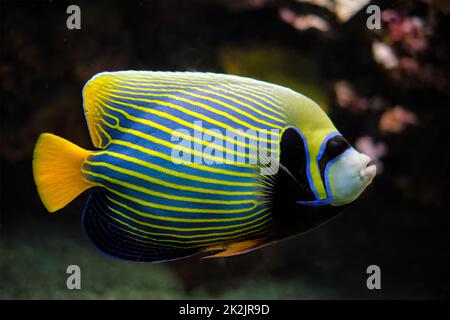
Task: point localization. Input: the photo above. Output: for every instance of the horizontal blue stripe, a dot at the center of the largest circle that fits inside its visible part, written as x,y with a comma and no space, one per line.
242,93
174,125
242,98
166,234
180,214
179,224
165,136
143,182
180,168
189,106
157,200
222,105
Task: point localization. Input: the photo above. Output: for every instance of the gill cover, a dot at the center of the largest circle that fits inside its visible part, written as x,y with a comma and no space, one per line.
314,127
300,156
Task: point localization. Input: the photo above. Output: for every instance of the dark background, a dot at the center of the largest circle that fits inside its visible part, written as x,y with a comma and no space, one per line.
396,109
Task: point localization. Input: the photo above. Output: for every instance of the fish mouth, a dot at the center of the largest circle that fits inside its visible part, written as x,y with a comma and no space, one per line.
368,170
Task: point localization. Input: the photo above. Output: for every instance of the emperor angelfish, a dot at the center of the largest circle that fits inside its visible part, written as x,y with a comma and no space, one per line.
147,205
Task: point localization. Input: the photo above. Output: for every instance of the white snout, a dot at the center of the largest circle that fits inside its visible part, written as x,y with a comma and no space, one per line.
367,172
349,175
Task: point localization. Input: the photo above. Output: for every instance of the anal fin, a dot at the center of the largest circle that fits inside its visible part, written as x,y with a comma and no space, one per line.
116,240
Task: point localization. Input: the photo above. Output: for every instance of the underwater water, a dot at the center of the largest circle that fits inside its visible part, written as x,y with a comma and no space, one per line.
387,90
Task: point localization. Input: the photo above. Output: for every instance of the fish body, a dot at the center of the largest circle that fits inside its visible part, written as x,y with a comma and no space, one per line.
199,163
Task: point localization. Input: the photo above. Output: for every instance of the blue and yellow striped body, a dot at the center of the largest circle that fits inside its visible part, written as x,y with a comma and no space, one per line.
199,163
152,203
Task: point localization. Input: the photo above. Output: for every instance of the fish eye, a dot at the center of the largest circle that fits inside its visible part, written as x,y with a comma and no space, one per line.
336,146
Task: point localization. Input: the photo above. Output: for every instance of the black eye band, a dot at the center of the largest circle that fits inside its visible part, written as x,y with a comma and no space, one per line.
293,158
335,146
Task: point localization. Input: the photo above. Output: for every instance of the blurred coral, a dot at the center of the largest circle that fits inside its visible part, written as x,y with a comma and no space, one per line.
384,55
395,120
404,49
412,32
304,22
347,98
343,9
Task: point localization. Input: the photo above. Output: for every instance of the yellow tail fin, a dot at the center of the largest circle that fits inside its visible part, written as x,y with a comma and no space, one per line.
57,171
